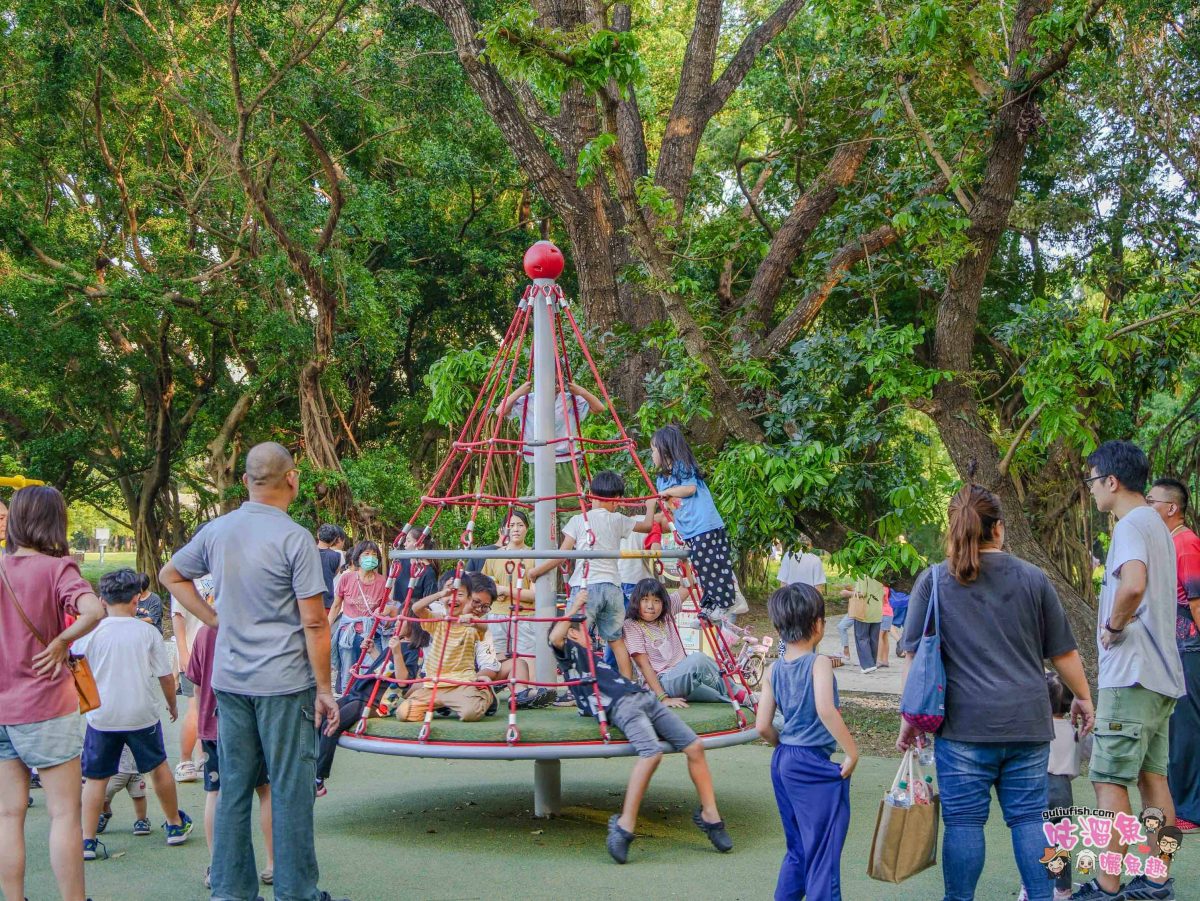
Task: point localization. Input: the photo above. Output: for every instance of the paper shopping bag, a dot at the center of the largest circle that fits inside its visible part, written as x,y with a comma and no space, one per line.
905,841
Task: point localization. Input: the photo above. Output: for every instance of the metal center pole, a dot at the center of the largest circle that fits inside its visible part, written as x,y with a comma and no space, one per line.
547,774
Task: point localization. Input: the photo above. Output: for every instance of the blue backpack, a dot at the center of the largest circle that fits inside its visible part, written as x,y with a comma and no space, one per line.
923,702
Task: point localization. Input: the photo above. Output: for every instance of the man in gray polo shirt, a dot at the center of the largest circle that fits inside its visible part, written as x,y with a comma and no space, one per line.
270,673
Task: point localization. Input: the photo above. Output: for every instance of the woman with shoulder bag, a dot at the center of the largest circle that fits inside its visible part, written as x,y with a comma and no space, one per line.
1000,619
39,706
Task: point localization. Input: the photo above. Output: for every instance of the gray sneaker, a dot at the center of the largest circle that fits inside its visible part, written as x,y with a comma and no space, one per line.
1142,889
618,840
1091,891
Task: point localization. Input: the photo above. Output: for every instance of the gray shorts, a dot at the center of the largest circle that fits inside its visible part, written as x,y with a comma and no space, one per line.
43,744
645,720
885,624
186,688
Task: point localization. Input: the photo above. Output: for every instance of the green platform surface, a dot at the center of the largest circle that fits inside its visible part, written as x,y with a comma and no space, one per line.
549,724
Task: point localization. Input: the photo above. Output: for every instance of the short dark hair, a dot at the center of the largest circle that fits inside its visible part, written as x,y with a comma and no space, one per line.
362,547
145,581
519,514
477,582
1122,459
328,533
794,611
643,588
1176,489
1170,832
37,519
1060,696
607,483
120,586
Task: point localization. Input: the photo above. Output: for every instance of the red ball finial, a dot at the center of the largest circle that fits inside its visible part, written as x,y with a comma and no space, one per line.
544,260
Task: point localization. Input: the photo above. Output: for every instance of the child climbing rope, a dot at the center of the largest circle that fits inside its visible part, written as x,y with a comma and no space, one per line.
604,694
696,519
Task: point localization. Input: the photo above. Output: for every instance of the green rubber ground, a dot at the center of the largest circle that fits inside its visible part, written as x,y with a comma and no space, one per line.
394,828
550,724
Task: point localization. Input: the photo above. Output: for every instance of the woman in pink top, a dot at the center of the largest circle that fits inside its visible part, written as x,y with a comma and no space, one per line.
653,642
39,711
361,595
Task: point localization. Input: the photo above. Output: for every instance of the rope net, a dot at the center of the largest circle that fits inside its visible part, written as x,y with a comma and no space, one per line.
496,462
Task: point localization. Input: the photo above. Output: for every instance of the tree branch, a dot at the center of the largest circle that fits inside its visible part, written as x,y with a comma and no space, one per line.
335,175
806,311
805,216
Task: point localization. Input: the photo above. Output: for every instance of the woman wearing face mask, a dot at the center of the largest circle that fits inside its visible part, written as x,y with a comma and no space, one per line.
361,595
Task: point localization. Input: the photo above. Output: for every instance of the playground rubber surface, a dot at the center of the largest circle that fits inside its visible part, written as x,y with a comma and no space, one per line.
399,828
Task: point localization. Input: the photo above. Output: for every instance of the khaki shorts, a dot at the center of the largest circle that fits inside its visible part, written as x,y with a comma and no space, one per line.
1131,735
133,782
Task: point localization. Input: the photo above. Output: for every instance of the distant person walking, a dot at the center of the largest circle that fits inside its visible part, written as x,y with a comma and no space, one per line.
40,586
270,672
1169,498
802,567
1140,673
998,724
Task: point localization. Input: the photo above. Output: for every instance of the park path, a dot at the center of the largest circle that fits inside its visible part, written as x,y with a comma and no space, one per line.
850,677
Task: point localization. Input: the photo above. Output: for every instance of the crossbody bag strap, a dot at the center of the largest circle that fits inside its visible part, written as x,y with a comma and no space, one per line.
21,610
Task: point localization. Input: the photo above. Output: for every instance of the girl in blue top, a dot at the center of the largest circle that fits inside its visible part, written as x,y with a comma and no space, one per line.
813,792
696,519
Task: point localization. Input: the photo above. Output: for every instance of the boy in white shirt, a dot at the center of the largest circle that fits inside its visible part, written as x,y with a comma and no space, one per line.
606,529
127,657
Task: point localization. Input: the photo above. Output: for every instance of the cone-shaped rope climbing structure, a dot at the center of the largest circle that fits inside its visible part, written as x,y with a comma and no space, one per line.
521,449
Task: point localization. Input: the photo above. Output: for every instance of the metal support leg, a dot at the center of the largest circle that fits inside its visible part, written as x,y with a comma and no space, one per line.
547,788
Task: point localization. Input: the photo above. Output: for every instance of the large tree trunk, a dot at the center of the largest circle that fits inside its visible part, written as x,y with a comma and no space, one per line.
967,436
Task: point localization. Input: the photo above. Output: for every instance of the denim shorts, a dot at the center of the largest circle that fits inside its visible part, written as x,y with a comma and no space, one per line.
43,744
184,687
606,609
645,719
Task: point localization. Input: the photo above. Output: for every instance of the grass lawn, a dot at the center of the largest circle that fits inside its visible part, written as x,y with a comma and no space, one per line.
93,569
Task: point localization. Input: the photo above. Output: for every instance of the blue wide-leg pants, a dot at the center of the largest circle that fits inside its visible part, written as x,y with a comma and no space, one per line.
814,804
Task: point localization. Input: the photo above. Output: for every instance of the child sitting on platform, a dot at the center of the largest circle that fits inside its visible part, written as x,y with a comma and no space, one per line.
451,653
813,792
644,720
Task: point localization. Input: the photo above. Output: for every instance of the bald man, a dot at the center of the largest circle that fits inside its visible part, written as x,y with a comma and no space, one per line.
270,672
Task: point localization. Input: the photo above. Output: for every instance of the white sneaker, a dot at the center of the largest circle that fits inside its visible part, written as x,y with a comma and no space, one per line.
870,669
186,772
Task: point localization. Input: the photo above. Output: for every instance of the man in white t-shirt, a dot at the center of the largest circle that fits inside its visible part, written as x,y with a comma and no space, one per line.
185,626
133,676
1140,672
805,567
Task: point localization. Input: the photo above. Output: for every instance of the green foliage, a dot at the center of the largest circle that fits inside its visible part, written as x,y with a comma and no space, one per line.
454,382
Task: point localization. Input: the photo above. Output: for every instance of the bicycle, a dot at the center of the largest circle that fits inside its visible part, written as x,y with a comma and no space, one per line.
749,653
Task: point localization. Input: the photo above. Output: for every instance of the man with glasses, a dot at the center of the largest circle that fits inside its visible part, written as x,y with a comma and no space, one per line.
1140,673
1169,498
270,672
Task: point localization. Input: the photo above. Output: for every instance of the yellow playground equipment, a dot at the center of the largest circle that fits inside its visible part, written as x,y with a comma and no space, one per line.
18,482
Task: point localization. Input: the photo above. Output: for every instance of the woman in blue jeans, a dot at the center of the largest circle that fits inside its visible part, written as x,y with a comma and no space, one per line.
1000,621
